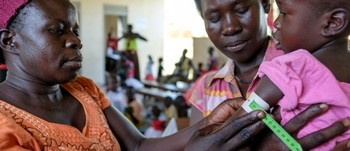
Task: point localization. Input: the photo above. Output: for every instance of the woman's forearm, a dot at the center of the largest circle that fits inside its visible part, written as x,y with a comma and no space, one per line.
175,142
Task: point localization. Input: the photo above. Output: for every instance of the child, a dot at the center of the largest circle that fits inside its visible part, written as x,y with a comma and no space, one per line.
160,69
114,93
134,109
170,109
316,69
149,72
157,125
212,60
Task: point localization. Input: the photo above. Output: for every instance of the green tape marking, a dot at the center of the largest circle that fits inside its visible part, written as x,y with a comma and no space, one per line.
277,129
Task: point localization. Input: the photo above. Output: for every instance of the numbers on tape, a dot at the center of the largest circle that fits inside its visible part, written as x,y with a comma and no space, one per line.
277,129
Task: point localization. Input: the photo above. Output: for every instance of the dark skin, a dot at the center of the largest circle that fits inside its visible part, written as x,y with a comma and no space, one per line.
327,41
238,29
42,51
230,20
269,141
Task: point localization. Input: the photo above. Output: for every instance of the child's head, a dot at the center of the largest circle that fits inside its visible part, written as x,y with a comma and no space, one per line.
200,65
112,82
130,94
237,28
211,50
168,101
311,24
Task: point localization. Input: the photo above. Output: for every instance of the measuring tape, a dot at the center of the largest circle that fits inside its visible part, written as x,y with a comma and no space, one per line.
251,104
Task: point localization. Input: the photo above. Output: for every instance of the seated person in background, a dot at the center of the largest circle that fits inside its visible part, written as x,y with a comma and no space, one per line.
184,66
212,60
157,125
114,93
198,72
170,109
181,106
181,71
133,111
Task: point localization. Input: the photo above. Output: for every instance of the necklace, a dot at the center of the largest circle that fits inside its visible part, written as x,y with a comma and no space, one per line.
242,81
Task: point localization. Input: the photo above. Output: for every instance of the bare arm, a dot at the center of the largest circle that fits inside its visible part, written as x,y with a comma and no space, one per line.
125,132
140,37
266,90
196,115
131,139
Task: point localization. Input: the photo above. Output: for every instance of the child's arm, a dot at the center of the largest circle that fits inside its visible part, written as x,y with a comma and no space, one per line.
267,91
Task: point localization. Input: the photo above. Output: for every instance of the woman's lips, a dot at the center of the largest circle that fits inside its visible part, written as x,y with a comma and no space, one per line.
75,63
235,46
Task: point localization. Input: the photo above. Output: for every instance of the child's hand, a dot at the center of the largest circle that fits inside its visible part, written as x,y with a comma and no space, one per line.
271,142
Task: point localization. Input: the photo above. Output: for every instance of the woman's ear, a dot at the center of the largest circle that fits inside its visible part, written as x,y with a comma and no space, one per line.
6,40
335,22
266,5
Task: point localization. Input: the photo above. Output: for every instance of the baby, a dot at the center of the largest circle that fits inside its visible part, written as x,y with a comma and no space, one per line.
314,34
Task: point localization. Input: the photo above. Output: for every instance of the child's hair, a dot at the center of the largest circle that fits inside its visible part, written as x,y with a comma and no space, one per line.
321,6
156,111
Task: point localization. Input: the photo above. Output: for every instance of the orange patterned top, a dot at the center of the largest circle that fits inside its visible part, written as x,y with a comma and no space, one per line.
20,130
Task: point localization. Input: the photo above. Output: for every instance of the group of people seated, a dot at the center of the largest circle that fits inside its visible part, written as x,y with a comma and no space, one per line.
140,114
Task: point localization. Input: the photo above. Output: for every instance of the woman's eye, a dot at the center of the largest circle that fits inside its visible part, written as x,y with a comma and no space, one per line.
58,31
242,10
214,18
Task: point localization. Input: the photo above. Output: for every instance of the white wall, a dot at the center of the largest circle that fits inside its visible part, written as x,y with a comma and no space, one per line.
147,19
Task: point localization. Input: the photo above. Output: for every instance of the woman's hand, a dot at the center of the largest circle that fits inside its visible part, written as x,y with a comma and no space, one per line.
230,137
224,111
271,142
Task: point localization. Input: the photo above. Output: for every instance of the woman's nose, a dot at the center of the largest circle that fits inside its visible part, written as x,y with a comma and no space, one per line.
231,25
74,42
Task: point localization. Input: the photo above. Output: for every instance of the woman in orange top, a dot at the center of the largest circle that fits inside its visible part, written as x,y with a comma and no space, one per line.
45,105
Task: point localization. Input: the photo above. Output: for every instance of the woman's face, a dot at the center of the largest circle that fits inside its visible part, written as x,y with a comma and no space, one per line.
48,45
236,27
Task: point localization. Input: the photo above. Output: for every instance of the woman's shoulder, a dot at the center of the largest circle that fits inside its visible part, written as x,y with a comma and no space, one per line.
13,136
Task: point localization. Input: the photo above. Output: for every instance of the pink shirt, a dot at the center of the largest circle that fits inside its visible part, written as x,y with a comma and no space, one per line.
305,81
215,87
